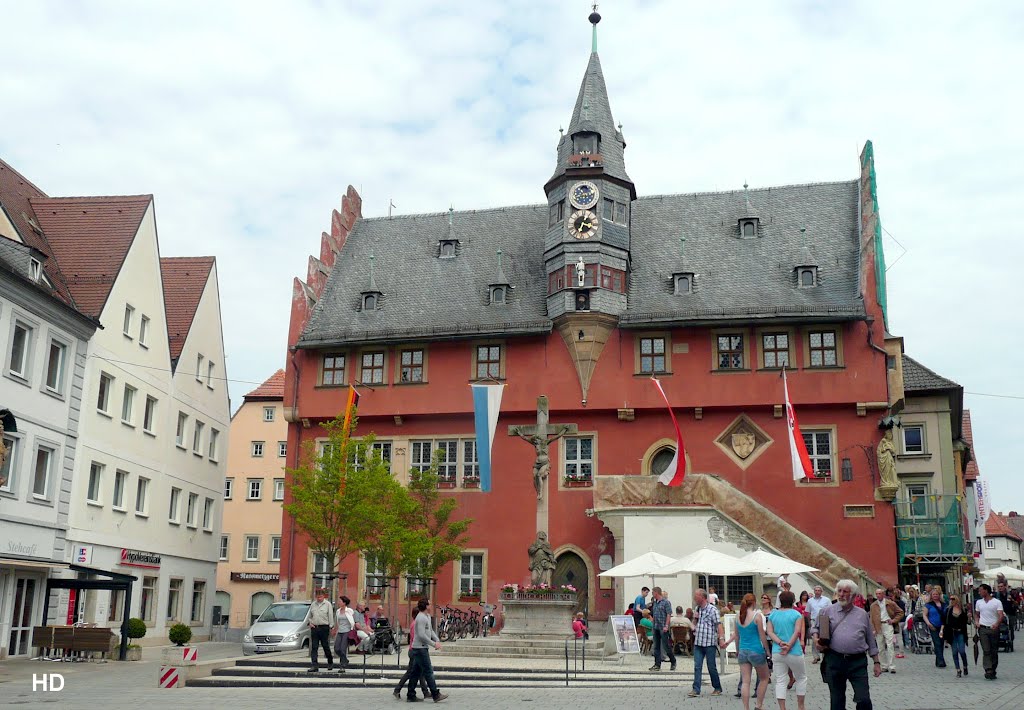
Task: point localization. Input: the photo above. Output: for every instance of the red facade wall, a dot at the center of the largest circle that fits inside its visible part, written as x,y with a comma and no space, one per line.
505,518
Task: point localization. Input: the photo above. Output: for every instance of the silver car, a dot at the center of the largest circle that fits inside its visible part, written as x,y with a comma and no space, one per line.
283,626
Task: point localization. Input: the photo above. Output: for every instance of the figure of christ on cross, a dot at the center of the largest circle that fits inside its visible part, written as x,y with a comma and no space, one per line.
540,438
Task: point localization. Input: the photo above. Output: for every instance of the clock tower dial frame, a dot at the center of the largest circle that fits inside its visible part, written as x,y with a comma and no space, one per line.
584,195
583,224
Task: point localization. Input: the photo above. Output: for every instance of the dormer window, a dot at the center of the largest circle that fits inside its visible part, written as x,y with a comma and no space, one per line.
370,301
447,250
35,269
683,284
748,227
807,276
586,143
499,294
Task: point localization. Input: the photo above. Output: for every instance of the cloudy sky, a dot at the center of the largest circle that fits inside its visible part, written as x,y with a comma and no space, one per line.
247,121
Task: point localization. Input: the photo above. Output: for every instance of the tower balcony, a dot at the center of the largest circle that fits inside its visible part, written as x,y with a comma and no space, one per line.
586,160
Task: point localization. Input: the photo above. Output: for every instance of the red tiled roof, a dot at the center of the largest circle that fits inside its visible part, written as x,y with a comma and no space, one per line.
971,472
16,194
996,525
273,388
90,237
184,280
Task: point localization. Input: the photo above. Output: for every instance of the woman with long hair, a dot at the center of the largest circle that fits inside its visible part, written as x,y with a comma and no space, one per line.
766,605
801,606
785,629
954,632
934,613
751,650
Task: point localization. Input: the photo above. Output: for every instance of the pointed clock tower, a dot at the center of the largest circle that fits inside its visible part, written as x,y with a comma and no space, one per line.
586,249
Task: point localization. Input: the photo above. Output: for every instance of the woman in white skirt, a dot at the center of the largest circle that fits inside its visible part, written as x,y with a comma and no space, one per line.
786,630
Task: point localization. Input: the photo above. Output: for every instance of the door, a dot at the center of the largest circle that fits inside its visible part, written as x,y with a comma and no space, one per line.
22,616
571,569
258,605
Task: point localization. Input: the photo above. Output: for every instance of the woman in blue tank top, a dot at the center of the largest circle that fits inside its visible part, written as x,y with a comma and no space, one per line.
751,652
786,630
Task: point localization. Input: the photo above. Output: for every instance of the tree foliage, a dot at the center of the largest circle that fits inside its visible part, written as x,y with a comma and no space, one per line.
438,538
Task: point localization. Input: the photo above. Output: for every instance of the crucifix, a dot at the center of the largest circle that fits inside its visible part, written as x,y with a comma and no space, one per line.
540,437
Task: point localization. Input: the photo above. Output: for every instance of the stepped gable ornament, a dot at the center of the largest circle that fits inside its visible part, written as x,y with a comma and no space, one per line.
542,560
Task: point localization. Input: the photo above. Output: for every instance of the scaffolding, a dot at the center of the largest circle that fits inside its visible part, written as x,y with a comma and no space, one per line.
930,537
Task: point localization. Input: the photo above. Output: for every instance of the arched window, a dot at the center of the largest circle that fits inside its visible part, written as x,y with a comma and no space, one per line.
258,604
222,600
808,277
661,460
369,302
498,294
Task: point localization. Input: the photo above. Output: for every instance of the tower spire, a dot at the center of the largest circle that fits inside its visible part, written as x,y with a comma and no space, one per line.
594,18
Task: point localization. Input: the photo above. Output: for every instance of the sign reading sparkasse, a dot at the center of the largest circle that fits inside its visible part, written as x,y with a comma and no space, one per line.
138,558
255,577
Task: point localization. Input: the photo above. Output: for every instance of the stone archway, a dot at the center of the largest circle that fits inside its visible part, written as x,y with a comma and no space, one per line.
572,568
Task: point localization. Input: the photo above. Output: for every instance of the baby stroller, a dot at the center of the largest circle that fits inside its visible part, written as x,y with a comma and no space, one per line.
1005,639
920,637
385,640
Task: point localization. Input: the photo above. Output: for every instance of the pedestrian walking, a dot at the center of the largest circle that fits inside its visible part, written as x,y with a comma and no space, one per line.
844,633
751,651
707,635
934,613
419,654
815,605
345,623
786,630
1009,607
988,616
884,612
661,613
321,621
409,669
954,632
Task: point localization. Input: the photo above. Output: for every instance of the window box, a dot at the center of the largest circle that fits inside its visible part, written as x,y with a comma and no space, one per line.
471,483
578,483
469,597
446,484
373,595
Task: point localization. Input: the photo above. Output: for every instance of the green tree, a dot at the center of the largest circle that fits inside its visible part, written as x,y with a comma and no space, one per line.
438,538
340,494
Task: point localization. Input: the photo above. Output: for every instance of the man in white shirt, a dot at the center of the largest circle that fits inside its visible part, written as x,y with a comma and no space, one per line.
815,605
988,616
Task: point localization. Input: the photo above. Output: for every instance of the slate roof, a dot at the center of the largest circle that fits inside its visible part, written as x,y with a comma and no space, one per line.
16,194
90,237
593,112
272,388
1016,523
184,279
918,378
745,279
971,471
425,296
996,526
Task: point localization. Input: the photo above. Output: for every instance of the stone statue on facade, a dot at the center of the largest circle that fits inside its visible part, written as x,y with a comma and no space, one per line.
542,560
887,461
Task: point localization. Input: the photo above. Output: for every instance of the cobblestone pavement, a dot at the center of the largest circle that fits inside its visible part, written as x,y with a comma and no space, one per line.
918,685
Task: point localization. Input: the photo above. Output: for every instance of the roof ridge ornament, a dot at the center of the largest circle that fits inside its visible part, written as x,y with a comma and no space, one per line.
594,18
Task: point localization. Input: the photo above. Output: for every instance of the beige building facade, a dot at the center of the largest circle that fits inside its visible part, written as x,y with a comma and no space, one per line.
250,541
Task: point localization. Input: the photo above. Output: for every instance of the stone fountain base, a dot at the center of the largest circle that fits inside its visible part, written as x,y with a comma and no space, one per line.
528,616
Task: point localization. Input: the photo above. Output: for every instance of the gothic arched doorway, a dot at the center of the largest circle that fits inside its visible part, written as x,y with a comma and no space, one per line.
571,569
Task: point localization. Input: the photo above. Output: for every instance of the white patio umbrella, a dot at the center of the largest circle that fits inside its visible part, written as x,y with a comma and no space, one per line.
704,561
1010,573
767,563
648,564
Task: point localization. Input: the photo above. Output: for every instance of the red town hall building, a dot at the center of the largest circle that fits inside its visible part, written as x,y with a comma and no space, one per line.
582,297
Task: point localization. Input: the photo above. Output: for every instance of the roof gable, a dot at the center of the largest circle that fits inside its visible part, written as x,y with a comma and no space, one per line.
90,237
272,388
918,378
184,280
996,526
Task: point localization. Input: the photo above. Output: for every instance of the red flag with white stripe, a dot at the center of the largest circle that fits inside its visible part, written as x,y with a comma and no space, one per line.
673,475
797,448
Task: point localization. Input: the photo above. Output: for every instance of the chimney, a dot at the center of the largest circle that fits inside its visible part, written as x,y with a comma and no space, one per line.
1013,514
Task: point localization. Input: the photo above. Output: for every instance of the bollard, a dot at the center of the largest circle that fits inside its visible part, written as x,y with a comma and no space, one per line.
174,665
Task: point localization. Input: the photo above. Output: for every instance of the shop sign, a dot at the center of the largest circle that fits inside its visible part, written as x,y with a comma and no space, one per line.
83,555
255,577
138,558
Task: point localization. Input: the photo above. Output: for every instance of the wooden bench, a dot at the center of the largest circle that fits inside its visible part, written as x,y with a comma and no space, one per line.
66,641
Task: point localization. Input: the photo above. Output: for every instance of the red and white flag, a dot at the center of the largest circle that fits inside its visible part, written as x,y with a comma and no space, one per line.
673,475
797,448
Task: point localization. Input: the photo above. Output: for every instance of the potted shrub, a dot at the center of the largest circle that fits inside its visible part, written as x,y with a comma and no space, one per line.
180,634
136,630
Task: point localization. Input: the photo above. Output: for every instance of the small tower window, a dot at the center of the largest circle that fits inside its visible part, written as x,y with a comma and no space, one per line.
582,300
683,284
748,227
586,143
498,294
369,301
556,213
447,248
807,276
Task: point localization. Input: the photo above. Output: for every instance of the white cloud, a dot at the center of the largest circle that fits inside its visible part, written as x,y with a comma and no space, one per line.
248,121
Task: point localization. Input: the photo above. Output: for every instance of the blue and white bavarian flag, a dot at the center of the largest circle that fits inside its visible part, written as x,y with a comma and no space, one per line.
486,403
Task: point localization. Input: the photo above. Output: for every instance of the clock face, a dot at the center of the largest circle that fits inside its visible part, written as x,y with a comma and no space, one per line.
583,224
583,195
